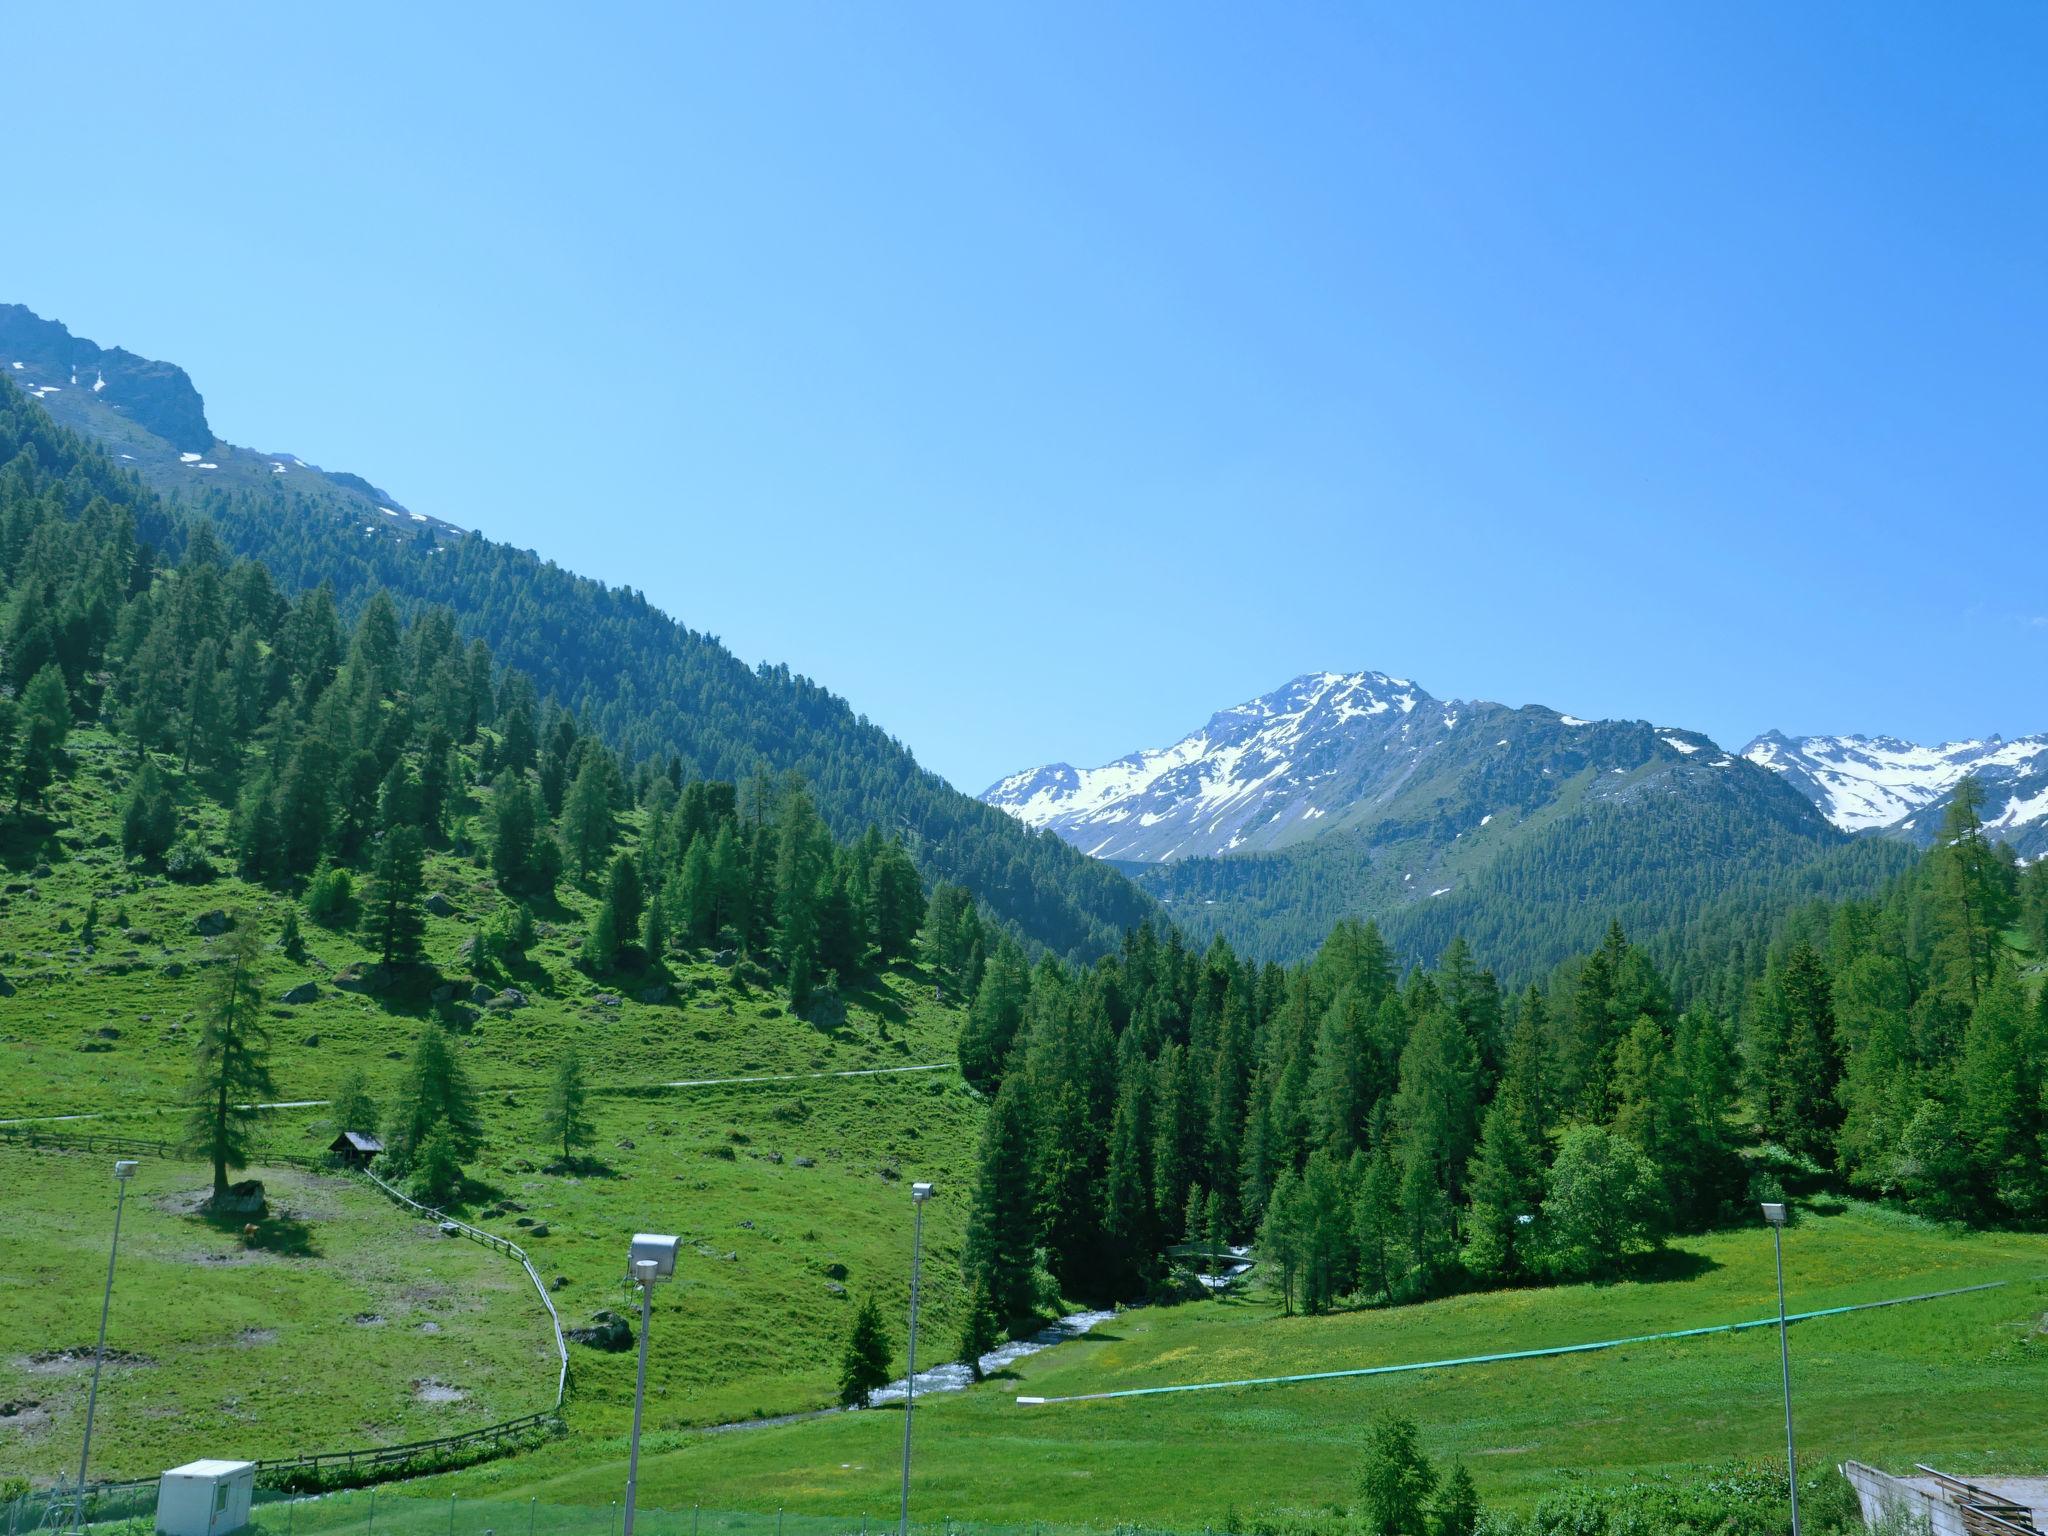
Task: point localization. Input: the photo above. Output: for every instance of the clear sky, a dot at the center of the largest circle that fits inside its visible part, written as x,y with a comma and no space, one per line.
1043,378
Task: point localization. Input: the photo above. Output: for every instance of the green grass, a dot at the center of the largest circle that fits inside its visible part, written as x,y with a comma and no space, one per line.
333,1329
110,1027
1959,1382
783,1190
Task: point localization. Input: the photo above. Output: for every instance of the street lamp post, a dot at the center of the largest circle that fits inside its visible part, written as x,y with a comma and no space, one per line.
919,1193
1774,1213
124,1170
652,1258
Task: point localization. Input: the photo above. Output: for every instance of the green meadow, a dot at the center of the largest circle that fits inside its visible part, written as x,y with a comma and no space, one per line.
1959,1382
338,1324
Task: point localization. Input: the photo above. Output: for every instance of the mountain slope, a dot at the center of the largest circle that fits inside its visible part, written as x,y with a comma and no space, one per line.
649,685
1525,830
1883,784
152,420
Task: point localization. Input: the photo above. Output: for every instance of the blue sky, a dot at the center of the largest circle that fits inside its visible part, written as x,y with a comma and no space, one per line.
1045,378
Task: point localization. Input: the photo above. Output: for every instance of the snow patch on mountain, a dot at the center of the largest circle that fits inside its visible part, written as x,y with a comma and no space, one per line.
1881,783
1330,751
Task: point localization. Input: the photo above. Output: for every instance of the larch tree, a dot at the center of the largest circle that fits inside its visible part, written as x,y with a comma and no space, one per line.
231,1065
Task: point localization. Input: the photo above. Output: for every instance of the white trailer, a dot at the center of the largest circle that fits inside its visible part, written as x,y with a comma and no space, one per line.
205,1498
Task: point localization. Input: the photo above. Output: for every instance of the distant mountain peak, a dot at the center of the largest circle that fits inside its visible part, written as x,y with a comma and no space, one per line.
44,358
150,417
1336,750
1885,783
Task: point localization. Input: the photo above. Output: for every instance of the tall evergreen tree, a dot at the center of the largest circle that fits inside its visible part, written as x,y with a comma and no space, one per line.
231,1066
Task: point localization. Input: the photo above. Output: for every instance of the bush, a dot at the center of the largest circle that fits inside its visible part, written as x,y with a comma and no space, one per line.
329,896
188,861
1602,1207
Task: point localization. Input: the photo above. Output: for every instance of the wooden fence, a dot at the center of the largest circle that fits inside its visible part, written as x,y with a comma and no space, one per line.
278,1469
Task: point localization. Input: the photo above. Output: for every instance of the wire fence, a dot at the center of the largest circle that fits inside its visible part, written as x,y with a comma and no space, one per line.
380,1512
315,1469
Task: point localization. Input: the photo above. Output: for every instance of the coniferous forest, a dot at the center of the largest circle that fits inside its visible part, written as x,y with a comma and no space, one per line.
1381,1132
1384,1136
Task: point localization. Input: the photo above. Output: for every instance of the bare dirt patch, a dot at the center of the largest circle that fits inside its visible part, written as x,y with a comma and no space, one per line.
432,1391
251,1338
23,1416
57,1362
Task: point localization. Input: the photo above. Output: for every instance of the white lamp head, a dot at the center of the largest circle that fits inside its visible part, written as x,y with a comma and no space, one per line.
920,1193
125,1168
1774,1213
653,1248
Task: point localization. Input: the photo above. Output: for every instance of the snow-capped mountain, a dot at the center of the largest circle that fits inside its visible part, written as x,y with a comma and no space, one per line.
1883,784
1340,751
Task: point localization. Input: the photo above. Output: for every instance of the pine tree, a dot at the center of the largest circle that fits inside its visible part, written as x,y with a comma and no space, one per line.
1456,1510
1395,1481
563,1116
980,1330
600,951
995,1017
1283,1237
588,829
435,1091
45,721
1376,1219
396,916
864,1363
232,1062
1970,887
2002,1111
149,820
1002,1225
514,819
1808,1069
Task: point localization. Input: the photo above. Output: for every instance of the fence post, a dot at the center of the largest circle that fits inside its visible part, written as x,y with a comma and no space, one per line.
693,1520
530,1504
291,1503
371,1528
778,1522
451,1515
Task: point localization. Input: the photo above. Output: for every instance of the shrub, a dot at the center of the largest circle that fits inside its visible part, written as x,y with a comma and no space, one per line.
329,895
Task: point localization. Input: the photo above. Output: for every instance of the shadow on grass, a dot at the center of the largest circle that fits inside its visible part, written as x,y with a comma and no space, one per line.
280,1233
27,840
1671,1264
582,1168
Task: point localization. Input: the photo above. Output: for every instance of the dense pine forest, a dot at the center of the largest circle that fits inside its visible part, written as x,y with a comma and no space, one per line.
343,753
1384,1137
650,688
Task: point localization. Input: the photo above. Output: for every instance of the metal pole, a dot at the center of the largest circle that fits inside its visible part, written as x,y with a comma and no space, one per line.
99,1358
372,1526
451,1515
1785,1371
530,1506
910,1380
639,1397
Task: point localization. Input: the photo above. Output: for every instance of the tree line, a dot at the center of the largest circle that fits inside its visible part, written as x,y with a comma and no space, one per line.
1382,1136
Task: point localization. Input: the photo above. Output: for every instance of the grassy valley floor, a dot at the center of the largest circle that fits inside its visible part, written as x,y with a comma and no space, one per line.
1958,1381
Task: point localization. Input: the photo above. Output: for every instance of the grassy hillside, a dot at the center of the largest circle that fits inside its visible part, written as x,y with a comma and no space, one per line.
1957,1381
340,1325
790,1188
